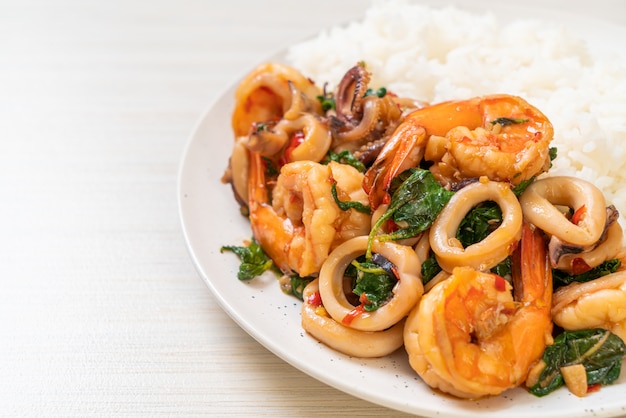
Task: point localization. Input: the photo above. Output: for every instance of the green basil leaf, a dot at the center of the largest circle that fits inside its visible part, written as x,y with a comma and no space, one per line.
374,284
344,157
479,223
414,206
520,188
254,261
430,268
598,350
381,92
358,206
327,102
297,285
562,278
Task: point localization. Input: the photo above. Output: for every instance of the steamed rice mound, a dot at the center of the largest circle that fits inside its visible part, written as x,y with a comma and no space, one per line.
449,54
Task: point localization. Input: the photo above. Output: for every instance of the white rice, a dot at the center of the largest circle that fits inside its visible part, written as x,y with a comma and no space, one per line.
445,54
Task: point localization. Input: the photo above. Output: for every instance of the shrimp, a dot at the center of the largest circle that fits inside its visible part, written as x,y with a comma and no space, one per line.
502,137
303,223
471,338
600,303
265,94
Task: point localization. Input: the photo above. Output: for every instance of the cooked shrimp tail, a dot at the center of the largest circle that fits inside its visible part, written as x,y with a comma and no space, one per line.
402,151
268,228
532,273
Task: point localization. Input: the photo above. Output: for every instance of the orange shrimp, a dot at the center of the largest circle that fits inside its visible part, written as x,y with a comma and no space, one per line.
303,223
502,137
470,337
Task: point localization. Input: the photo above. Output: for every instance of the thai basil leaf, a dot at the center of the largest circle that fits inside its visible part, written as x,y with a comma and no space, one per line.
358,206
430,268
381,92
374,284
522,186
327,102
297,285
562,278
254,261
344,157
414,206
479,223
553,153
598,350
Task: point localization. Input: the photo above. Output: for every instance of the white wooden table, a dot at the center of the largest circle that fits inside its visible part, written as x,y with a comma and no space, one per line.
101,310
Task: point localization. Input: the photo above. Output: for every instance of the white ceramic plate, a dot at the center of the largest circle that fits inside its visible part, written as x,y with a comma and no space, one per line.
210,218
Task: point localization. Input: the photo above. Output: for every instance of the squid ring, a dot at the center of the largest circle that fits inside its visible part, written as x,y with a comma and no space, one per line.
406,292
538,207
347,340
492,250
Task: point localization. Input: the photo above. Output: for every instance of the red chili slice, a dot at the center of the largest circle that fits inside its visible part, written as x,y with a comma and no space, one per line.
296,139
500,283
578,214
350,316
315,299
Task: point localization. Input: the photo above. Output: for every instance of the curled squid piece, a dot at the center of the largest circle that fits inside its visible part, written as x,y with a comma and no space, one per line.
495,247
591,236
350,341
606,249
300,134
538,204
312,144
266,94
406,292
363,121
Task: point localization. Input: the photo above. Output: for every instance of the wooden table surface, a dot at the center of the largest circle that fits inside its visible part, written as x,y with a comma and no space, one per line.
102,312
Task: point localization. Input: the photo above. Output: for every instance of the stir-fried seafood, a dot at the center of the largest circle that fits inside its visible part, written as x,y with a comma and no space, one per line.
477,227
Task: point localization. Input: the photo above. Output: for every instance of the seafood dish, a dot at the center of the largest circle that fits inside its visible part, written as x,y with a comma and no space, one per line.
443,228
